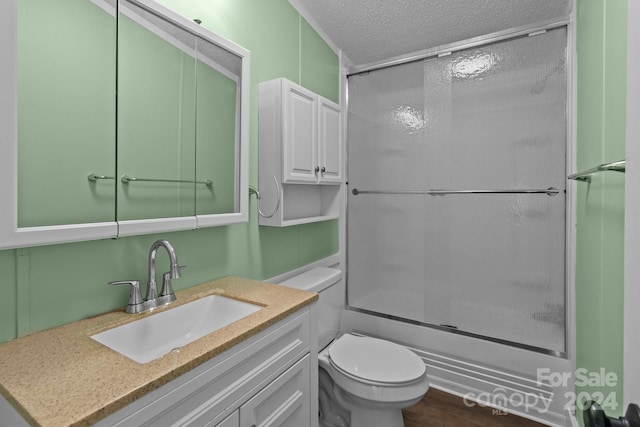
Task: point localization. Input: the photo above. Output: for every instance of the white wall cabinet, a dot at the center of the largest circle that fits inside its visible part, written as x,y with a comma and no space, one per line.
299,108
310,132
267,380
301,154
330,141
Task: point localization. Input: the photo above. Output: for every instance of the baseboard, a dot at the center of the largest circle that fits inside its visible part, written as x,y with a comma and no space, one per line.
487,387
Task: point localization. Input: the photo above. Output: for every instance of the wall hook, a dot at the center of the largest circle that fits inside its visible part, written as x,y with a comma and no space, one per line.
254,190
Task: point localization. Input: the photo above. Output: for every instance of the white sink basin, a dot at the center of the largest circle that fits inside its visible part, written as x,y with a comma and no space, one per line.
154,336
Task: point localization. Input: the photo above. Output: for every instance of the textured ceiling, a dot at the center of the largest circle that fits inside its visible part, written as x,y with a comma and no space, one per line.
373,30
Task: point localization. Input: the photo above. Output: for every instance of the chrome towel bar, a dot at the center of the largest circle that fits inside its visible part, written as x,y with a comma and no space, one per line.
585,176
94,177
551,191
127,179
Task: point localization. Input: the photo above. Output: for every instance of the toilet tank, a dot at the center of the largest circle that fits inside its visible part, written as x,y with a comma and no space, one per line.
328,283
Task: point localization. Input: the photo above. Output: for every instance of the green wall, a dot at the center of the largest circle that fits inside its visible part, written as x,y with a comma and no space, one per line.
47,286
601,43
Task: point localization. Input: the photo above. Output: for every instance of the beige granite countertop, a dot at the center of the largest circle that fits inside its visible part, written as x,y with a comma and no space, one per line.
62,377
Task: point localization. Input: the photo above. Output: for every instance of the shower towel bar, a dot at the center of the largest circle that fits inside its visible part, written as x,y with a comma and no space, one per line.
551,191
585,176
127,179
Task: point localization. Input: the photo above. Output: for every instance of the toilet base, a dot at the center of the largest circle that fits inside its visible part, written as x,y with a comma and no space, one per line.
364,414
369,417
332,413
342,409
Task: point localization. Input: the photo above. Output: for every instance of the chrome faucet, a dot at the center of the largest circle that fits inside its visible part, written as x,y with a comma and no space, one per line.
136,303
173,273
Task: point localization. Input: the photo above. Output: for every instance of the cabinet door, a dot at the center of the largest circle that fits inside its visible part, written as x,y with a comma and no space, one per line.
299,137
330,141
284,402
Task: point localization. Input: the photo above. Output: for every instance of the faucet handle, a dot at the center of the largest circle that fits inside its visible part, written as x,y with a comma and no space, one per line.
136,302
166,294
176,271
166,280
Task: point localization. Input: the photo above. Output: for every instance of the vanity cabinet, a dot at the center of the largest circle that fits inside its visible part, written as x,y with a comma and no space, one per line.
232,420
283,402
266,380
301,154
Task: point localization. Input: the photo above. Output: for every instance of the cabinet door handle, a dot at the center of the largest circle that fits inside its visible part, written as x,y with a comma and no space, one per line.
323,170
317,169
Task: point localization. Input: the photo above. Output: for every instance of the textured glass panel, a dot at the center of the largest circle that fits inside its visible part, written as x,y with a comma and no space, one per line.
386,119
495,266
496,115
386,246
498,123
492,117
386,254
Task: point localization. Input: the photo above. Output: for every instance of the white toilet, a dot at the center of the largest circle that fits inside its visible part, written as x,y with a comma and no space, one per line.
364,382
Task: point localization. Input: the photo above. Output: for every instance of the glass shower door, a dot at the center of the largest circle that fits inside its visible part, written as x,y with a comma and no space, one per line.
386,151
491,118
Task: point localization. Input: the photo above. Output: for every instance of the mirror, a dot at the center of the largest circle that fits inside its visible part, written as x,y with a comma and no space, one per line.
66,112
156,116
168,153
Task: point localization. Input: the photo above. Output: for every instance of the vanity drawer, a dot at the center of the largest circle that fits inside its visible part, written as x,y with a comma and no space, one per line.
284,402
218,387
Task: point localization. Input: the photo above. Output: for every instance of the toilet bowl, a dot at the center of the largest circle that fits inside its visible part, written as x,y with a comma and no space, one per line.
375,379
368,381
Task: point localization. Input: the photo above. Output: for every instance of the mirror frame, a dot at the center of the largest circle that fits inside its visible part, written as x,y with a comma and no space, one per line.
12,236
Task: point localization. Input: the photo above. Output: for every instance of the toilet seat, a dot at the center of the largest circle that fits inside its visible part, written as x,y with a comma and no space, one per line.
375,361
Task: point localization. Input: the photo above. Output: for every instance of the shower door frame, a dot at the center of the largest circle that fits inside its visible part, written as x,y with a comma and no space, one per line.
560,361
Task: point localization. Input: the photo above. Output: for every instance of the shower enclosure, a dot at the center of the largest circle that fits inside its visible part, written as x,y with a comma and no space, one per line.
457,201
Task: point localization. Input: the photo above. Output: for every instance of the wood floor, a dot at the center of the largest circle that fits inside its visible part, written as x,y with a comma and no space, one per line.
439,409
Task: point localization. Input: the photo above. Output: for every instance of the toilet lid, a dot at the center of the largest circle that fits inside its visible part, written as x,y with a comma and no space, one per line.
375,360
